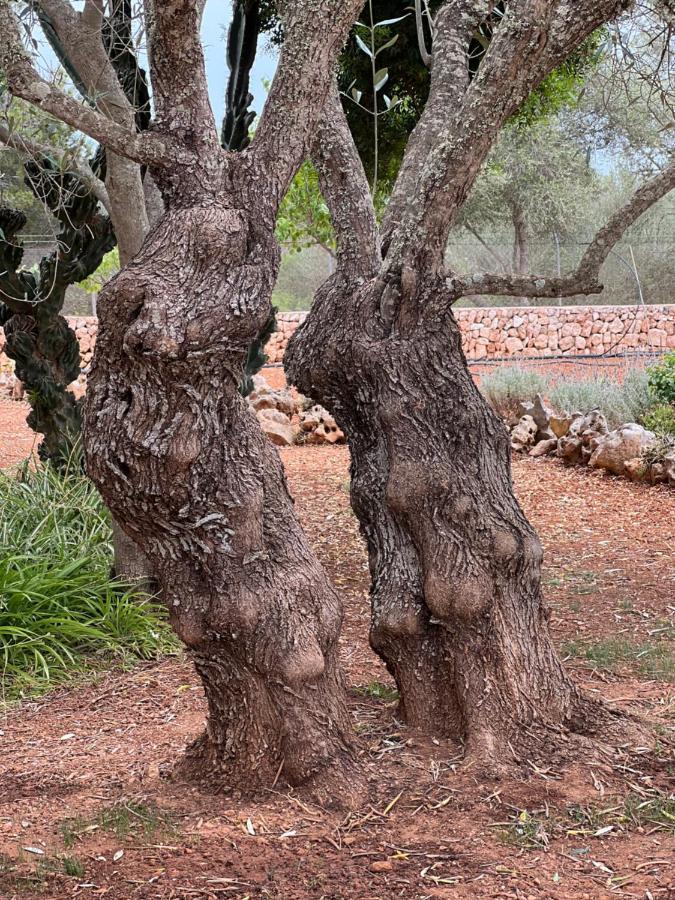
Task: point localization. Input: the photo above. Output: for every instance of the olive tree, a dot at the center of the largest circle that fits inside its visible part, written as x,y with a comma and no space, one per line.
457,609
169,441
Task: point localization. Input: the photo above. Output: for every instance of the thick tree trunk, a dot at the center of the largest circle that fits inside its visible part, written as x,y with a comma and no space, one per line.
457,611
184,466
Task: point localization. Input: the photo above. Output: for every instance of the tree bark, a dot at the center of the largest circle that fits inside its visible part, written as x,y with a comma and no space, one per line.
182,463
177,454
457,611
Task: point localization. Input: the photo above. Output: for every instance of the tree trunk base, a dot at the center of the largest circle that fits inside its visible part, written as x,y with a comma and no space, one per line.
591,726
339,784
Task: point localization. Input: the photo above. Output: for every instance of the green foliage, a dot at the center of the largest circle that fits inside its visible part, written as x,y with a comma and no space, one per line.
563,86
304,220
661,419
110,265
22,118
538,175
662,379
509,385
620,402
409,82
60,612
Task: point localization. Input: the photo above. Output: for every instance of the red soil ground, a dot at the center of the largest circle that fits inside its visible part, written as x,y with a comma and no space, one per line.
75,759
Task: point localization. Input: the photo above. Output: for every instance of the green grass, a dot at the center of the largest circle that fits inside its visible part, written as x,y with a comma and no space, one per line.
651,659
378,691
73,866
60,611
633,811
125,819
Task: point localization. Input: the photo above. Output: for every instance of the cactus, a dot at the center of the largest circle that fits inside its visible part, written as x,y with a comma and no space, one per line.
242,44
38,338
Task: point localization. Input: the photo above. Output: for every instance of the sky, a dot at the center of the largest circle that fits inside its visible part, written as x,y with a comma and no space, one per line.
216,20
215,23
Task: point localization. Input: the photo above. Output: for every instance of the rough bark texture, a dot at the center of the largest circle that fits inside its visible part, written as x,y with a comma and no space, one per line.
458,614
173,447
183,464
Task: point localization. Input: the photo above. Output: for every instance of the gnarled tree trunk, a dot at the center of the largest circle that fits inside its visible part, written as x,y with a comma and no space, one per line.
457,611
183,464
177,454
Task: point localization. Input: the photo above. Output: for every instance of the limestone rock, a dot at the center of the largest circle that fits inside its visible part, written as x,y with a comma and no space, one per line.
320,427
278,427
560,425
615,449
541,413
579,442
543,448
636,469
669,468
524,433
265,397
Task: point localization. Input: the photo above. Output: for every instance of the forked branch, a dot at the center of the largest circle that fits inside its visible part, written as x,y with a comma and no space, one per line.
314,35
24,81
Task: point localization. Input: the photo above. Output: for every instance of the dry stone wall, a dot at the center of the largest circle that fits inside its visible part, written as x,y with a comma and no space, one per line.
493,332
488,333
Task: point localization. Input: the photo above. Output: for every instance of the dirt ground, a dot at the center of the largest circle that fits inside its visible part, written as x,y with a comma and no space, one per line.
88,808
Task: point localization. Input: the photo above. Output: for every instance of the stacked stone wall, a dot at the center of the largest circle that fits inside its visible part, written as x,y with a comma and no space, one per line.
489,333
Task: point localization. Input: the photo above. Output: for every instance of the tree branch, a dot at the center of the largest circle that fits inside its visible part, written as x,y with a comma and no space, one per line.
454,25
34,150
180,90
25,82
345,189
314,35
532,38
584,280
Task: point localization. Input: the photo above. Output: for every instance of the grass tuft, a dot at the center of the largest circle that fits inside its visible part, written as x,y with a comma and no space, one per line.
60,611
379,691
127,818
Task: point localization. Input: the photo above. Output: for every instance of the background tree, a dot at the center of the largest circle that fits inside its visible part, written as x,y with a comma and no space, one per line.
38,338
535,183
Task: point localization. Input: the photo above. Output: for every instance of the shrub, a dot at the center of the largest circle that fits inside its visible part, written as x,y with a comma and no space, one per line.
661,419
659,450
620,402
508,386
60,611
662,379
